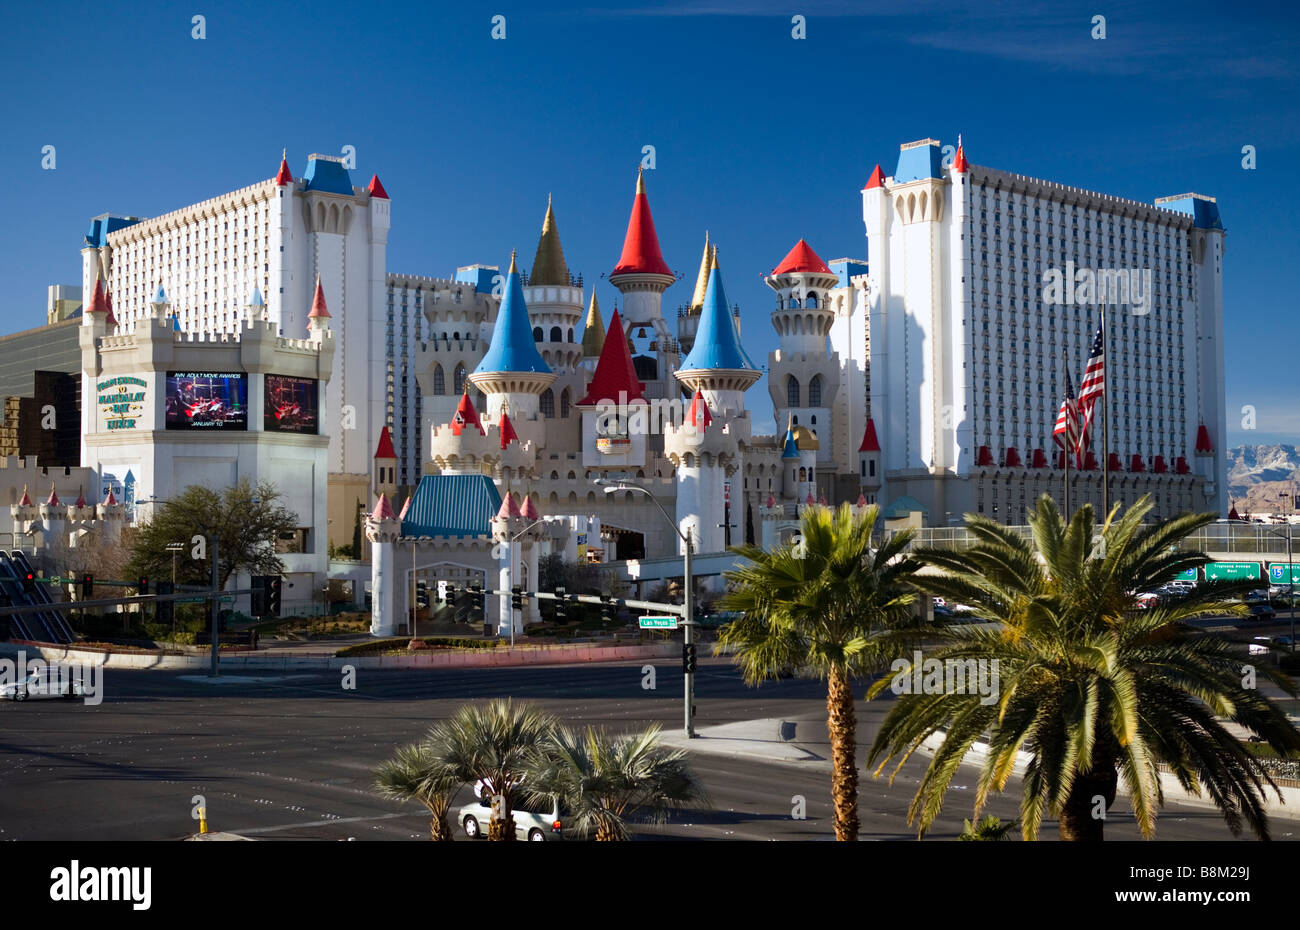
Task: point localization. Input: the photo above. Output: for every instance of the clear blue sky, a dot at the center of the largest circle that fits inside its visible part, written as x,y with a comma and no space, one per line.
759,138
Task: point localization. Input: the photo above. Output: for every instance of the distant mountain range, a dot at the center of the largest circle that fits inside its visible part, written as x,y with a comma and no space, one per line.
1262,479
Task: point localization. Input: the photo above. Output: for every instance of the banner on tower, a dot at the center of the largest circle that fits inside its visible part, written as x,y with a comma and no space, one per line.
206,400
291,405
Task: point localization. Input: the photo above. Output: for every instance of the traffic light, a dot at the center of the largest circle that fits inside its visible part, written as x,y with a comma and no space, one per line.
87,585
143,585
450,597
257,600
273,585
688,658
517,597
606,608
559,606
165,610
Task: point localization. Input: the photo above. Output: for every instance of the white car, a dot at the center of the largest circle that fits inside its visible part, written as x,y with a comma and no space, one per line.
533,822
37,686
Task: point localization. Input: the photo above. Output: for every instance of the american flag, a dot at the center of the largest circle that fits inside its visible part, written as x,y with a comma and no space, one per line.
1067,420
1093,386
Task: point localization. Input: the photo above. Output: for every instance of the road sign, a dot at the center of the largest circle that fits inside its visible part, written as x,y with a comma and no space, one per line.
1231,571
657,623
1278,575
1188,575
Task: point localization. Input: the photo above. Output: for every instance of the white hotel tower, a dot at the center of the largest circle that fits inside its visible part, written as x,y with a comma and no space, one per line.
967,360
256,254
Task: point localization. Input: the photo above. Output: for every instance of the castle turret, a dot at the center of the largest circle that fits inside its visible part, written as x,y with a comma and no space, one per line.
111,517
614,409
869,471
512,371
641,274
803,377
318,318
388,593
384,470
717,365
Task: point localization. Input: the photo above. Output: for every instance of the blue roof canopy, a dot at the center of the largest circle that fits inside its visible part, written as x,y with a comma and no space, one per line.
717,344
452,505
1203,210
919,160
325,173
512,347
104,224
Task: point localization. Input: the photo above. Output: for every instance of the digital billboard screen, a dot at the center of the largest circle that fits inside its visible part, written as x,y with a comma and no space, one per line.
291,405
207,400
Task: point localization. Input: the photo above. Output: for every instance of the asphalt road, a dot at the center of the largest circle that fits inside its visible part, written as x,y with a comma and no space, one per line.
290,756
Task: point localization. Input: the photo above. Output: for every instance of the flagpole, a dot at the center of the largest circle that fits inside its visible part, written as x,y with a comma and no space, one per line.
1105,418
1066,445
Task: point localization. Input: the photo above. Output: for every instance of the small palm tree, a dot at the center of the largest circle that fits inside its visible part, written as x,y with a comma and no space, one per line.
1093,688
414,773
989,828
603,780
830,603
491,745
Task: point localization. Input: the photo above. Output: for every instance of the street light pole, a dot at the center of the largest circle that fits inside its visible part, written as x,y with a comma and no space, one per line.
688,598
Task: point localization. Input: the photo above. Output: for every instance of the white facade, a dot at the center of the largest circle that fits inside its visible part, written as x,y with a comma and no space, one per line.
965,352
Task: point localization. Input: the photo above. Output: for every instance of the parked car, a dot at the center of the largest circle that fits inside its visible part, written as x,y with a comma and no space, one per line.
533,822
1258,596
36,686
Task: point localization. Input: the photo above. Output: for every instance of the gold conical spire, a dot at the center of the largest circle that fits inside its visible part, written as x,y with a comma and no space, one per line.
714,263
593,334
513,266
548,265
702,279
640,180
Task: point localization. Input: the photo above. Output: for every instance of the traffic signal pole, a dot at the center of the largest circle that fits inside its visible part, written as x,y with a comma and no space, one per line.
689,617
216,608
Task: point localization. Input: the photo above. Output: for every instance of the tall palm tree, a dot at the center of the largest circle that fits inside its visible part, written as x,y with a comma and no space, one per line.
415,773
1092,687
490,744
603,780
830,603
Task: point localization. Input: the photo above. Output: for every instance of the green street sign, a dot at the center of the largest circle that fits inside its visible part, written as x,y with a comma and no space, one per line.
1189,575
1231,571
56,580
657,623
1277,572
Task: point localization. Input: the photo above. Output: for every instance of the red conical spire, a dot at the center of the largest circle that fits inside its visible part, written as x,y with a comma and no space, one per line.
801,258
318,309
700,416
959,164
511,505
108,307
862,500
529,510
614,371
869,441
383,510
405,507
97,304
284,175
109,500
385,450
876,180
376,188
508,434
81,497
641,253
465,415
26,501
53,499
1203,444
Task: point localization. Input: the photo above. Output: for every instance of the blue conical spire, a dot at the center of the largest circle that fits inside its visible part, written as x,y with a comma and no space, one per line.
160,296
256,300
512,347
791,448
717,344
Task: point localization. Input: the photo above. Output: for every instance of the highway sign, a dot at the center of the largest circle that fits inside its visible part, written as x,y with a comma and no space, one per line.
1231,571
1189,575
657,623
1278,575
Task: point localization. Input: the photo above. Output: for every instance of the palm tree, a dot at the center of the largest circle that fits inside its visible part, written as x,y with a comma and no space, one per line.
602,780
988,828
1093,688
830,603
415,773
490,745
